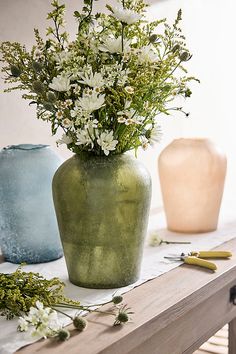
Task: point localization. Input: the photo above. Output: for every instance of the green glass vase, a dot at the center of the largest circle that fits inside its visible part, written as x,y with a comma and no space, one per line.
102,207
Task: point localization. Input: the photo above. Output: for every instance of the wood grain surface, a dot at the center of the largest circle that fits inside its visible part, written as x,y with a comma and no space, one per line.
174,314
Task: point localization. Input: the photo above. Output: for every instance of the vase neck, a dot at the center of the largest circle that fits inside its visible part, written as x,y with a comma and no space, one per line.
25,147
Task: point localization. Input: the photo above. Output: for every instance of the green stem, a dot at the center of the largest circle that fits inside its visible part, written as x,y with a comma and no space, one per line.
171,72
63,313
175,242
56,34
122,38
84,308
85,18
104,303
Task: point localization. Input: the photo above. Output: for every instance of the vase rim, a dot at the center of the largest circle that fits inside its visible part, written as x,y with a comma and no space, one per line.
197,139
25,147
100,157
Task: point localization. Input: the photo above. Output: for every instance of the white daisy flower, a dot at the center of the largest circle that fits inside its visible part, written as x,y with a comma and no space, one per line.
144,142
125,15
93,80
138,119
130,115
121,119
23,324
84,137
155,135
129,121
60,83
43,321
114,45
90,103
146,54
68,103
62,57
129,90
65,139
107,142
59,115
76,112
67,123
91,124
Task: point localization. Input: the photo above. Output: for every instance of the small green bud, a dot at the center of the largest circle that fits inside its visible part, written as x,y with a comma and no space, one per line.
48,44
38,87
153,38
48,106
117,300
123,317
15,70
184,56
80,323
176,48
51,97
188,93
63,335
37,66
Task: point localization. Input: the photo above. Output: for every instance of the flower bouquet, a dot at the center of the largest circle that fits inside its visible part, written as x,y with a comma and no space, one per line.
104,90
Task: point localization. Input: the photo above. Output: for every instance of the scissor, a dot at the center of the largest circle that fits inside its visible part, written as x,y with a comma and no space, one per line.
197,258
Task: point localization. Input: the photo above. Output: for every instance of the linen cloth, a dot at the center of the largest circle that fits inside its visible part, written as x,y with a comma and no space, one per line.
153,265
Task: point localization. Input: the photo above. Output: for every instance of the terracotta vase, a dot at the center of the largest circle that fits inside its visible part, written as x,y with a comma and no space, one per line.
192,174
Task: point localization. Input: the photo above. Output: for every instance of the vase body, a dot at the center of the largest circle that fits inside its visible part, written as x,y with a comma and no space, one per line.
28,226
192,174
102,206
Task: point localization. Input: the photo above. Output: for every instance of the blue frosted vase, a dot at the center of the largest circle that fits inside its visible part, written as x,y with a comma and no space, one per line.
28,226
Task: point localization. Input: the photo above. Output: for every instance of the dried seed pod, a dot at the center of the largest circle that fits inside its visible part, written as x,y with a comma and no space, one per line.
15,70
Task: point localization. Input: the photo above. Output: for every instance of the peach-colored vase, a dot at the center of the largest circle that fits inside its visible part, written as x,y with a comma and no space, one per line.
192,174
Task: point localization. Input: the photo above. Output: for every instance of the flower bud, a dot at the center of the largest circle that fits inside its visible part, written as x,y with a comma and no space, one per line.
15,70
51,97
187,92
123,317
63,335
38,87
37,66
176,48
153,38
155,239
184,56
117,299
80,323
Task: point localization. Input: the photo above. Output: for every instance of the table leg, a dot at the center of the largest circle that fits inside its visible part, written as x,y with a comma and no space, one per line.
232,337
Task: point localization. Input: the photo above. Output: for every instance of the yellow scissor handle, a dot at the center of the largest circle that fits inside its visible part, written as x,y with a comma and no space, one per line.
212,254
199,262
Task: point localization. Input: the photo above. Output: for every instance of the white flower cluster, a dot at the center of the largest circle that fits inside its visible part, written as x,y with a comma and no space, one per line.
104,89
98,98
41,321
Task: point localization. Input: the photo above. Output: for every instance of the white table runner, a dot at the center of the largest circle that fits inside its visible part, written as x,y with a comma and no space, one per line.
153,265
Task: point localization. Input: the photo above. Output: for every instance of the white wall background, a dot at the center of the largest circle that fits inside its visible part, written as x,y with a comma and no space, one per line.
209,26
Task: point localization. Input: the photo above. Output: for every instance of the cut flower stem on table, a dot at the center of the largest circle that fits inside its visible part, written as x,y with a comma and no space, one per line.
155,240
36,301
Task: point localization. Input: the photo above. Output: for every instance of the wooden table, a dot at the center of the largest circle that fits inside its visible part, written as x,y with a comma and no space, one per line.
174,314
